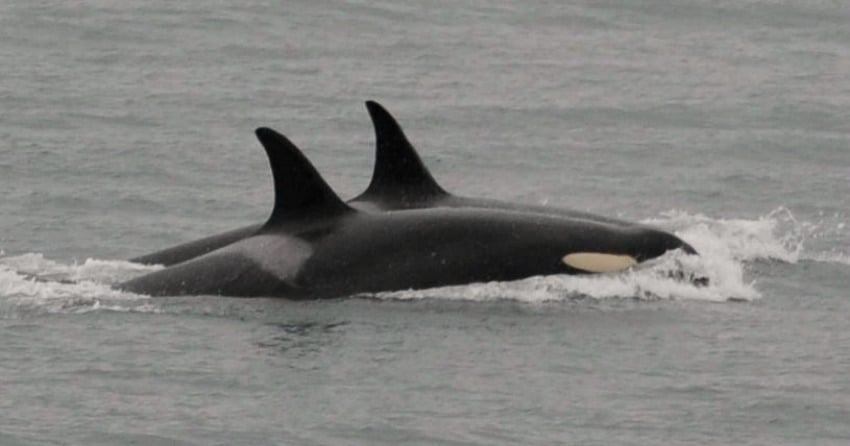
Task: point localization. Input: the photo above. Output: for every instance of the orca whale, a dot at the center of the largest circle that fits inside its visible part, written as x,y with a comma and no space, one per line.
185,251
400,180
314,245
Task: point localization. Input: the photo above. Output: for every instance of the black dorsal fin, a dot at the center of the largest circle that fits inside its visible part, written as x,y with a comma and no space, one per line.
299,190
399,172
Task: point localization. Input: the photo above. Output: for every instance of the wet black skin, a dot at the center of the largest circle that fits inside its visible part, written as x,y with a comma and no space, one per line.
195,248
316,246
358,252
437,247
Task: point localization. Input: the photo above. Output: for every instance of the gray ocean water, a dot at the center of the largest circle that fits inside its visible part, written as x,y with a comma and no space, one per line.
126,127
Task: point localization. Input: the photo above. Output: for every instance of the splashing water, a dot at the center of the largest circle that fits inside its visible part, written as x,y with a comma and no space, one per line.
666,278
30,282
775,236
104,271
726,246
831,235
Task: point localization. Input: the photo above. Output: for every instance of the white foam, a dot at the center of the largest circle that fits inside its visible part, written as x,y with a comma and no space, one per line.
30,283
667,278
106,271
774,236
830,232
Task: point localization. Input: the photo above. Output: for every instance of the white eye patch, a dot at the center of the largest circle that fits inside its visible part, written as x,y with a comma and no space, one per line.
597,262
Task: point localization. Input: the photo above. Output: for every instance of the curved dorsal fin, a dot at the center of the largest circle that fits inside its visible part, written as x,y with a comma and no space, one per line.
399,172
299,190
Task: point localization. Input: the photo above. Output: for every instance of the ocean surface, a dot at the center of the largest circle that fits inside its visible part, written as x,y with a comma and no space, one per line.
127,127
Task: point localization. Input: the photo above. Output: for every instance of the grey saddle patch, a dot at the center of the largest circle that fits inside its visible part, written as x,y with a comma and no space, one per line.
278,255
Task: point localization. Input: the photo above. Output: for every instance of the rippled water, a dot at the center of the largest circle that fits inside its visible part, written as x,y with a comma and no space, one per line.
125,128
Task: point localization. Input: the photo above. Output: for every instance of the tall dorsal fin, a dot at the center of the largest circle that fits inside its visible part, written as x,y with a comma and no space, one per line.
399,172
299,190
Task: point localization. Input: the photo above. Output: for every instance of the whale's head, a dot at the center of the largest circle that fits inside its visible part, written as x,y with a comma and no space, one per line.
652,243
624,250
